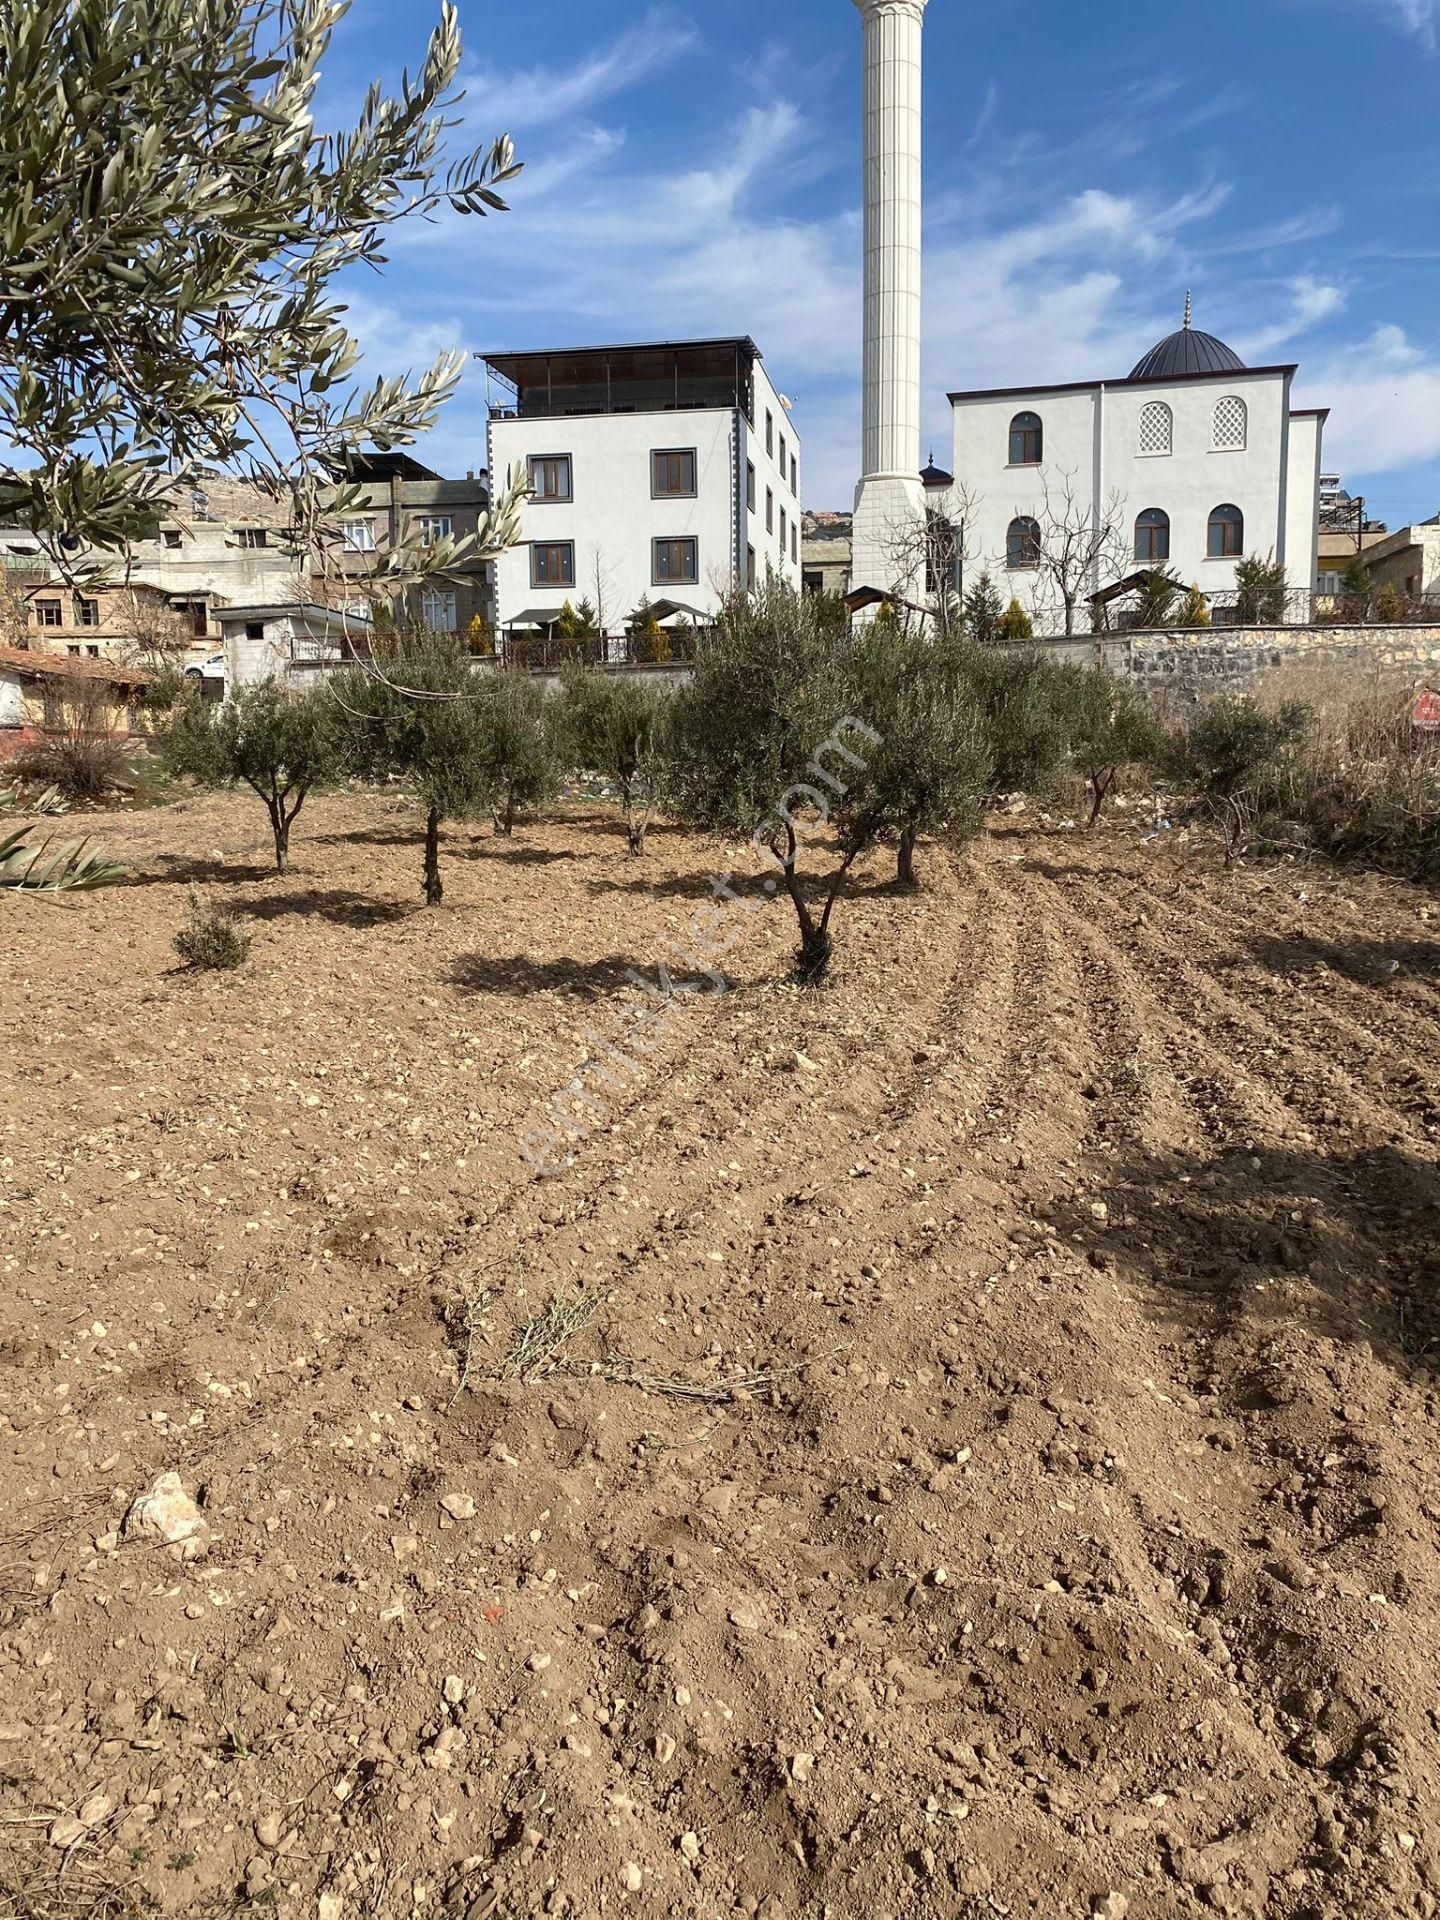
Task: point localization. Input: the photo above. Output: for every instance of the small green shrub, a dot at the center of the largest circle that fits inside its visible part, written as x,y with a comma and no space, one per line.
212,939
1016,623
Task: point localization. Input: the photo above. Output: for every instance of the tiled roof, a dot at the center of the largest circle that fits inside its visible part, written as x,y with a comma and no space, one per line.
70,666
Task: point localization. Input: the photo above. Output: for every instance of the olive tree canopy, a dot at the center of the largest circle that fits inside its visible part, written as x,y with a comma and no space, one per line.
171,230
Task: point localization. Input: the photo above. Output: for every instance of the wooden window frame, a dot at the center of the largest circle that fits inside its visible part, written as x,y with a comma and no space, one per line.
1229,529
537,547
253,539
659,579
89,612
539,499
658,454
1151,530
1029,561
44,607
1026,435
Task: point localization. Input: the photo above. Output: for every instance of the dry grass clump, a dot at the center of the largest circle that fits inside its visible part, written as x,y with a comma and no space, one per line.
1365,782
211,939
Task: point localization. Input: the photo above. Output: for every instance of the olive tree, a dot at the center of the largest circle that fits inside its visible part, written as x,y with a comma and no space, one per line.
615,724
278,742
524,763
766,745
1229,750
1110,728
932,759
172,230
421,712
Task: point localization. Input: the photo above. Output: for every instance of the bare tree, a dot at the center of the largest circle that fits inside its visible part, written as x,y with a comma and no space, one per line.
936,550
1073,545
602,588
155,635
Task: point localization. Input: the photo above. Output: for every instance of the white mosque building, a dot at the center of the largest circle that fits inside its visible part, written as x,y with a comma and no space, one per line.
1192,463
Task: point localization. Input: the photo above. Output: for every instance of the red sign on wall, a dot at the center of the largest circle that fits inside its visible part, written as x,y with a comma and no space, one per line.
1426,712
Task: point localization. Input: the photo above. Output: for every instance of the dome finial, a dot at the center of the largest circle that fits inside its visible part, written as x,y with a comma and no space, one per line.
1187,309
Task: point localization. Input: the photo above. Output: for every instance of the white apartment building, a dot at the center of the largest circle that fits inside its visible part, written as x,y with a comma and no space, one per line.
1196,459
668,472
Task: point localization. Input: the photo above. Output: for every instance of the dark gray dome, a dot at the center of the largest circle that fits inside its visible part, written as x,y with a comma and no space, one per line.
1188,351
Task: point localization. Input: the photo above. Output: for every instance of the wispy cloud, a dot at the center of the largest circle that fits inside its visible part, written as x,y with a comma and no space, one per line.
543,96
1384,396
1311,301
1420,17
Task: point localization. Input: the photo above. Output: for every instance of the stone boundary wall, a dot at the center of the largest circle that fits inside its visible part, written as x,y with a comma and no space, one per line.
1192,662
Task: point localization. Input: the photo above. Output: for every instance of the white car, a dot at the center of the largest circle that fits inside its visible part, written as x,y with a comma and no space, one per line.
211,669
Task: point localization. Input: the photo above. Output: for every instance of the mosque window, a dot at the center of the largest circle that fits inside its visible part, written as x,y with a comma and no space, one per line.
1227,534
1157,428
1231,424
1022,544
1152,536
1027,440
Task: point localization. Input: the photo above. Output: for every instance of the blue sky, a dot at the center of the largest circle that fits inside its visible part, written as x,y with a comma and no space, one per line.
693,169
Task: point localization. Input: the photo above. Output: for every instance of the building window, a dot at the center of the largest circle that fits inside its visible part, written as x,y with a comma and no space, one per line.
1227,533
750,485
1027,440
172,536
1232,421
750,568
1022,545
677,562
672,475
769,510
550,476
782,532
254,629
1157,428
795,473
552,563
794,544
784,457
435,527
437,610
93,652
195,612
253,537
47,613
1152,536
770,435
359,535
75,649
89,613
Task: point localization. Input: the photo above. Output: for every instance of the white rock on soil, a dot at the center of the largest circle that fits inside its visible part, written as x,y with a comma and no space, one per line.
166,1512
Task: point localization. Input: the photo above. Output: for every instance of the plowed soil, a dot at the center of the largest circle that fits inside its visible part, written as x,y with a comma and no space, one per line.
988,1464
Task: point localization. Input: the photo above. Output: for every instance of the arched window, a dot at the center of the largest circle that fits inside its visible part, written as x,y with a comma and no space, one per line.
1232,420
1152,536
1022,544
1027,440
1157,428
1227,534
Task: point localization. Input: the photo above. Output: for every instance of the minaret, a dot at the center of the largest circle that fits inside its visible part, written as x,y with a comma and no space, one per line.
890,498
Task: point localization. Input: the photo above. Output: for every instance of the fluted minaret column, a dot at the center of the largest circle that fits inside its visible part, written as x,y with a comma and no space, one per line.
890,497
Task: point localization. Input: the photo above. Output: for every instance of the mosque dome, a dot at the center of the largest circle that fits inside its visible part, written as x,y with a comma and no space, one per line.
1188,351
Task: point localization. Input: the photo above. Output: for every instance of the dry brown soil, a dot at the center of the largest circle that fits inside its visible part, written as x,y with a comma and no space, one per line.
997,1473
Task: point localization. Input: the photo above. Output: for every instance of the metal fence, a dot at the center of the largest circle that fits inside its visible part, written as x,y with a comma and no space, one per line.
549,653
1295,607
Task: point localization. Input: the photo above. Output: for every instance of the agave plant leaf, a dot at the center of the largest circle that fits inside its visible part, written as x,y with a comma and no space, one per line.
74,866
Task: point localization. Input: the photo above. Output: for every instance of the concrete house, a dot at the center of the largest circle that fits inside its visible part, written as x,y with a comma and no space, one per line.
668,471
